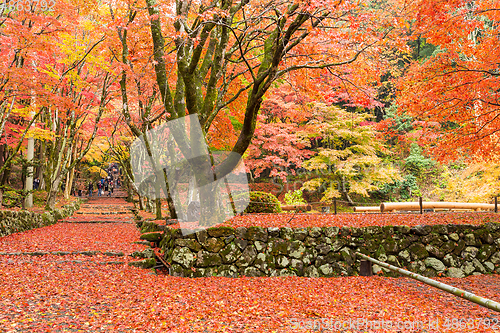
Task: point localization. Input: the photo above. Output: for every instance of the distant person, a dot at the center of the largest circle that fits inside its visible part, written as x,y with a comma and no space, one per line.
91,188
111,187
36,183
99,189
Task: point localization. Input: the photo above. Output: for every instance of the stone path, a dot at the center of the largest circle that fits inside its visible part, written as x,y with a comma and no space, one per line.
103,230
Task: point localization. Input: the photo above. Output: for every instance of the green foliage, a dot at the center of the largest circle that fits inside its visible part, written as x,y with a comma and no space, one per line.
39,198
401,123
416,164
352,161
294,198
262,202
12,199
237,125
401,189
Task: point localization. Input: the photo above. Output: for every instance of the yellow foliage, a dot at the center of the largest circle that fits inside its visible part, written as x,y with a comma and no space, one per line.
478,182
41,134
351,155
96,169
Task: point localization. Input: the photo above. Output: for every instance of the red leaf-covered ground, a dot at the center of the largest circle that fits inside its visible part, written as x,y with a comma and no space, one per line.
95,293
43,296
359,220
75,237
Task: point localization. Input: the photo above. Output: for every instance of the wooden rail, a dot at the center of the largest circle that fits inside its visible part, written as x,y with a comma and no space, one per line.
395,206
421,205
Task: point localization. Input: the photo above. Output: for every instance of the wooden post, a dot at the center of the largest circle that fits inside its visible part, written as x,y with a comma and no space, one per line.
335,206
421,205
496,204
365,269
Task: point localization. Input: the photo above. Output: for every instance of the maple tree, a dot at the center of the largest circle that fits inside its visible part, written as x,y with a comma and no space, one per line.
278,144
51,74
349,161
139,96
457,85
21,45
247,45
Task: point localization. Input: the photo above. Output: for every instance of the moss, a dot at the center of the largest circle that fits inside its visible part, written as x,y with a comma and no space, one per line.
390,245
459,247
418,251
380,251
208,259
149,227
152,236
213,244
146,263
279,246
256,234
482,235
220,231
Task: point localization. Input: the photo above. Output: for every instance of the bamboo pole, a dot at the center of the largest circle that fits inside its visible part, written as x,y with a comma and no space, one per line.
361,209
488,303
391,206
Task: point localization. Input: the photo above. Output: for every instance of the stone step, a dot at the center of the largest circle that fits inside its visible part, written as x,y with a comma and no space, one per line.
126,222
63,253
102,213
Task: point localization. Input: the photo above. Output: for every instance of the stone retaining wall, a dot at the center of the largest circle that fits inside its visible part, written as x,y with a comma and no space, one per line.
16,221
450,250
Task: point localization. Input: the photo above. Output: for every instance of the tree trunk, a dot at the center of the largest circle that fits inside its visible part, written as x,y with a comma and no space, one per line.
158,209
28,201
70,174
141,203
52,195
2,151
69,183
210,212
346,194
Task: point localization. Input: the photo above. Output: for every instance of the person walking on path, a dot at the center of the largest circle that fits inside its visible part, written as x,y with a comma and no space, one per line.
99,189
91,188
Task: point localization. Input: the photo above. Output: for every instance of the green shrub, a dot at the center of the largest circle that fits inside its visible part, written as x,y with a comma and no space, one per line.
416,163
294,198
262,202
11,199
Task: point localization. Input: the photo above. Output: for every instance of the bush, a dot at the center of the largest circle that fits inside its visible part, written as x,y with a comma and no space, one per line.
406,189
294,198
12,199
416,163
262,202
